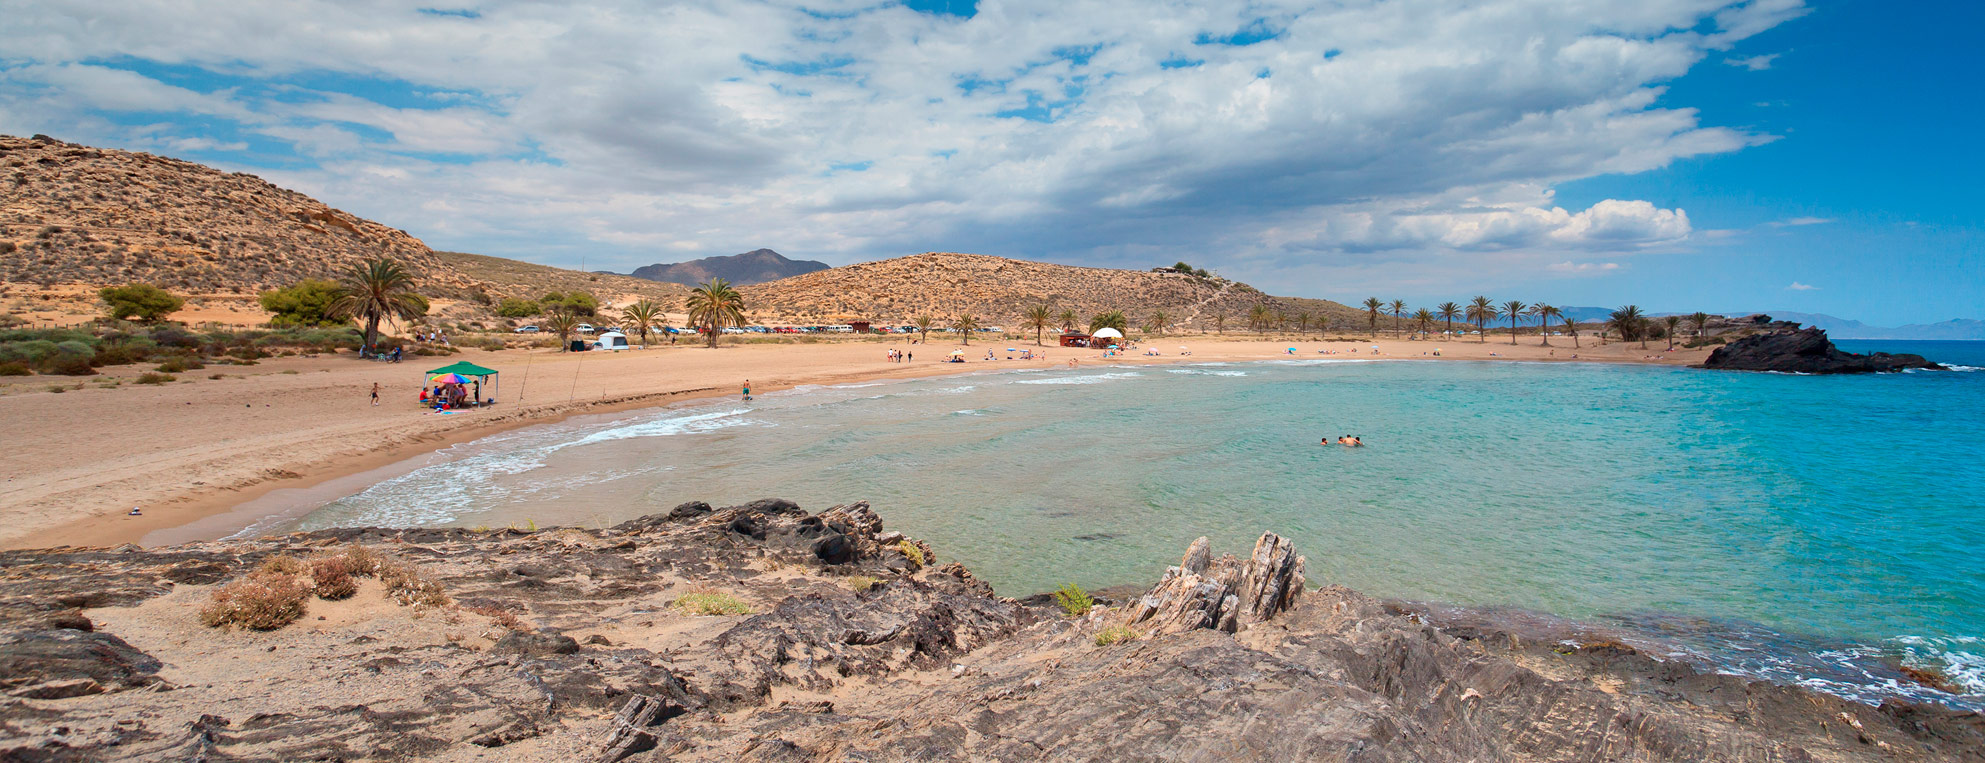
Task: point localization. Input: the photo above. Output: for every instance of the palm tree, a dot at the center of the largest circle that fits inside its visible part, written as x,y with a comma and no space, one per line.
1303,322
1481,311
1425,318
715,305
375,290
1068,320
1397,307
642,316
1629,322
1159,318
1112,319
1038,318
1672,321
1258,318
965,325
1322,324
1513,310
1372,306
923,324
1220,322
1571,327
562,322
1701,320
1448,312
1281,320
1543,313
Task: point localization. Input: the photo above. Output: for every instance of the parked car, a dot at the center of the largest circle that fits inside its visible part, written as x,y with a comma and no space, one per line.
585,328
527,329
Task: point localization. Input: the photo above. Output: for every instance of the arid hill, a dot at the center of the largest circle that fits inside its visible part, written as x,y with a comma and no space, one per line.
76,214
998,290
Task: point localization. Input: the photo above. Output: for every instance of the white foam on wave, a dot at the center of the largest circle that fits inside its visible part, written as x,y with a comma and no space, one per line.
1962,368
969,412
1959,658
1196,372
1325,361
1093,379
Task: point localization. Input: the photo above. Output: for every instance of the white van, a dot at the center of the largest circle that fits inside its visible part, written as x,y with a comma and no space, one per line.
612,340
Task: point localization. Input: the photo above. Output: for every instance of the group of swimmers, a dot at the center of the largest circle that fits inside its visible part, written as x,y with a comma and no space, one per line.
1348,441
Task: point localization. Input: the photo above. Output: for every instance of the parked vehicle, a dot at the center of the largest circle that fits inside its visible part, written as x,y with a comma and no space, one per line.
586,328
527,329
611,340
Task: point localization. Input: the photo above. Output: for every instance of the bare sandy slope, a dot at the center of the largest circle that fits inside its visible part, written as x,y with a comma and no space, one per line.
76,462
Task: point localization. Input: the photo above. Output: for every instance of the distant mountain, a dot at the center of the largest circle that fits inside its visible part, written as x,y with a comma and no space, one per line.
756,266
1843,328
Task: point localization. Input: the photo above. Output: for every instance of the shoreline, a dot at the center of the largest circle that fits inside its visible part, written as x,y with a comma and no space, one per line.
170,516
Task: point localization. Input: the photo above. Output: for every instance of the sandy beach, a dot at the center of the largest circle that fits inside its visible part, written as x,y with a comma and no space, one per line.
79,460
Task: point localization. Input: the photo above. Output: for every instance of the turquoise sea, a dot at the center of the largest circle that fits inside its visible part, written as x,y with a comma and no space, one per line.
1806,529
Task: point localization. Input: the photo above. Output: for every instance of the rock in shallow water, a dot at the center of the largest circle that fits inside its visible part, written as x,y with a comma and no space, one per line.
1806,351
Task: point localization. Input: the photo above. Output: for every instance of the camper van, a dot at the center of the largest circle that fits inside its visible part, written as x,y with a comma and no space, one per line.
612,340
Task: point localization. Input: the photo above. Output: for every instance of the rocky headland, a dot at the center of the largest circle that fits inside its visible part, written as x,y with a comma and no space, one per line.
1806,351
763,632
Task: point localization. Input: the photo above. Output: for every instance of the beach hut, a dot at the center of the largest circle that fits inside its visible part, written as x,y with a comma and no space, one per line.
477,374
1074,339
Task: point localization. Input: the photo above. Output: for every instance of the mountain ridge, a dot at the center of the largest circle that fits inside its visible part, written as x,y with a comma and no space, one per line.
753,267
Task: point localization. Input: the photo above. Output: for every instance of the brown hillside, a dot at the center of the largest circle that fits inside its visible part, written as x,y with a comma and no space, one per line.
997,290
74,214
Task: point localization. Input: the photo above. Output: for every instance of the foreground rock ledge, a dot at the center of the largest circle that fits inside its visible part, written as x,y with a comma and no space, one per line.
861,645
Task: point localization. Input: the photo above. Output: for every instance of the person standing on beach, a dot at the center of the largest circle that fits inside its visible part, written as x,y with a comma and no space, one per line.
375,394
747,389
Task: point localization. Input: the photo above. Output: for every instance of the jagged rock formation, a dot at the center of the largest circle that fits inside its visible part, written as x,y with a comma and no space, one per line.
755,266
1224,594
566,647
1806,351
998,290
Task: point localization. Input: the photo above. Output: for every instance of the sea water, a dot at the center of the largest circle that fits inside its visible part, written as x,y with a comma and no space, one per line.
1807,529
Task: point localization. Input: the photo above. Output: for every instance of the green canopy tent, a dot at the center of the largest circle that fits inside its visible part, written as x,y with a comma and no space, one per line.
465,368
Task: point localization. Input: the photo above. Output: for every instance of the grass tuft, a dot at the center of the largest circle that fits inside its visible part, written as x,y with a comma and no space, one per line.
705,601
911,552
860,583
1115,634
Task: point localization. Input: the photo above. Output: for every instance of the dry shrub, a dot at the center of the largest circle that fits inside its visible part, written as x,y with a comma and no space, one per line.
861,583
911,552
407,586
262,600
1115,634
504,616
283,564
334,576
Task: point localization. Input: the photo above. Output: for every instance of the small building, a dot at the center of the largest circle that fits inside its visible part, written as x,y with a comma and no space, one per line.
860,327
1075,339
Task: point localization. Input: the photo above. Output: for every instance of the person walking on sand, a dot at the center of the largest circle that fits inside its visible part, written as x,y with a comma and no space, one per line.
375,394
747,389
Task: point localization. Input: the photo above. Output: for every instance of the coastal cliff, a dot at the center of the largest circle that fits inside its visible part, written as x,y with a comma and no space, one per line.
1806,351
763,632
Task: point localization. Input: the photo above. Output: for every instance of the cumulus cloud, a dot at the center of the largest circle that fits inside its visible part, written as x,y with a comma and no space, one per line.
1109,132
1796,286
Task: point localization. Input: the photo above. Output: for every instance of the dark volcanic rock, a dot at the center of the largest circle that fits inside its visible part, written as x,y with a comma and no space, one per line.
1805,351
1233,661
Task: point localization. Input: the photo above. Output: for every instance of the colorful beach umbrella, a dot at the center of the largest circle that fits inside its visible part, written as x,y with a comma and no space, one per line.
448,379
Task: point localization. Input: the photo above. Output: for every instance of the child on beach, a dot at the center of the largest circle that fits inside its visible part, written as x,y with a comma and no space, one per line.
747,389
375,394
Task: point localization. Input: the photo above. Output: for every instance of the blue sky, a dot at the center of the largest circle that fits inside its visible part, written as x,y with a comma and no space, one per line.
1678,154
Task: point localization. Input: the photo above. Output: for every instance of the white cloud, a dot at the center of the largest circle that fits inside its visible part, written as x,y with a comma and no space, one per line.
1795,222
1753,63
1584,268
1796,286
1425,130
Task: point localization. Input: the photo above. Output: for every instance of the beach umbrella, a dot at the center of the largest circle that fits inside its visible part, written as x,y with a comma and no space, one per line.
957,352
448,379
1113,347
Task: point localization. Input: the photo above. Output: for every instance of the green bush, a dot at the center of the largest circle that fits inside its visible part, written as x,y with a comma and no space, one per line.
1073,600
307,303
512,307
180,364
30,350
149,377
14,368
143,302
1115,634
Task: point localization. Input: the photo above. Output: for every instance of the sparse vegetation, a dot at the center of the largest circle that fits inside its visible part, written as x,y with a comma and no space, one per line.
502,615
307,303
14,368
154,377
262,600
1115,634
406,585
1073,600
705,601
142,302
860,583
911,552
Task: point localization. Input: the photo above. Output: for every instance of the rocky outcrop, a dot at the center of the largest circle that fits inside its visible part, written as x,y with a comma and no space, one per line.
1224,594
572,645
1806,351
